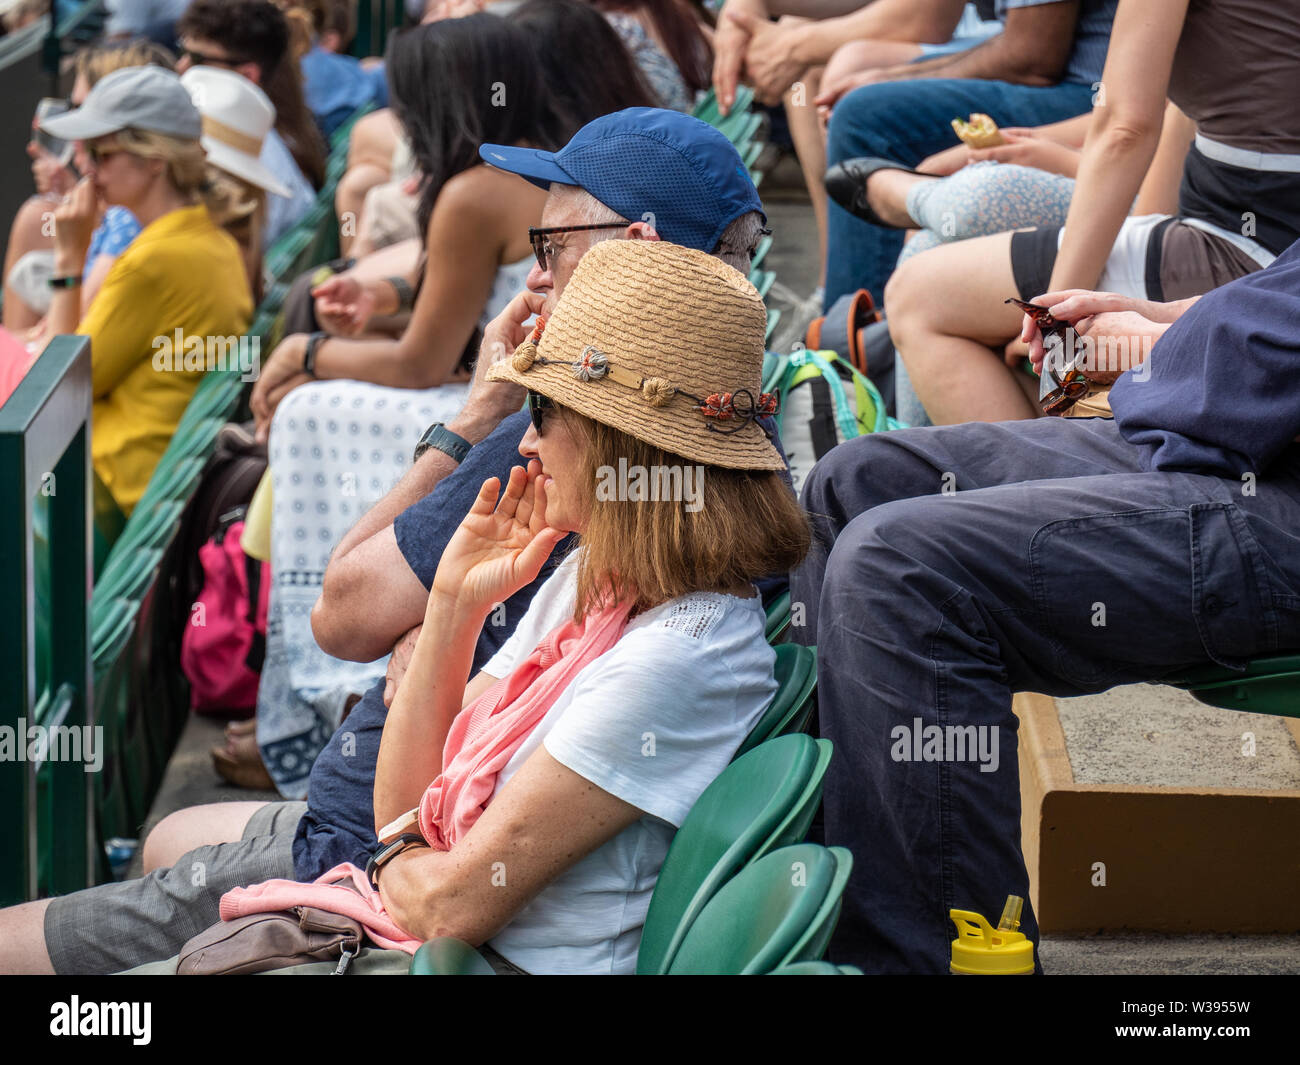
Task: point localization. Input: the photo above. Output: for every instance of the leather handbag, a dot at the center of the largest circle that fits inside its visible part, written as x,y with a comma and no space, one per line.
273,940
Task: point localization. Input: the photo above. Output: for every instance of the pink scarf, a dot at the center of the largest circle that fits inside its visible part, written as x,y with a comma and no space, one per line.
485,735
483,738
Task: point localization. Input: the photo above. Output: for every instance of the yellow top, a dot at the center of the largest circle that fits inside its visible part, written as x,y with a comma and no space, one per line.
181,278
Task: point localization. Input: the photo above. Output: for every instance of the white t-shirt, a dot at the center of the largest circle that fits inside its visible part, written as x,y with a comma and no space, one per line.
652,721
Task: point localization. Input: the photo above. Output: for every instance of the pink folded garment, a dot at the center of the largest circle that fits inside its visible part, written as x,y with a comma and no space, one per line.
483,737
344,889
15,361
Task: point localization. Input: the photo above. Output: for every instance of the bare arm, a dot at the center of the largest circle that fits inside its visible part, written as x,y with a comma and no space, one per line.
370,597
545,820
921,21
500,547
1032,49
1123,138
1159,192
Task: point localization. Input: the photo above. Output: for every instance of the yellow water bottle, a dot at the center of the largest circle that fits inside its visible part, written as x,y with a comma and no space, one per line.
981,950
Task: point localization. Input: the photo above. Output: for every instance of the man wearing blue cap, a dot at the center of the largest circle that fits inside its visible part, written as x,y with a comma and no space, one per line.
639,174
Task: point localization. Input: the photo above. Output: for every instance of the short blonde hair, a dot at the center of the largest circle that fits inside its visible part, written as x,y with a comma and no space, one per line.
97,61
187,163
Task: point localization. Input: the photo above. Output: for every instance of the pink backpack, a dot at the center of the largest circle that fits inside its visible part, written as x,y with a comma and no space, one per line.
224,640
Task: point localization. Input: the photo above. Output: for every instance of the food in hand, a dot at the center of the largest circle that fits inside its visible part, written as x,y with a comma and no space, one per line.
980,132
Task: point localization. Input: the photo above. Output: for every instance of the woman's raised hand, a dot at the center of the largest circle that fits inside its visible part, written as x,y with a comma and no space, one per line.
500,547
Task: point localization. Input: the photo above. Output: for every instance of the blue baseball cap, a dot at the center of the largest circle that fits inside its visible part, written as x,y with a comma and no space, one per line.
645,161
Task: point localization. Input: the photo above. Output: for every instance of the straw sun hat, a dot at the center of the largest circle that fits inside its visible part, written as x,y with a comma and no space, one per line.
662,342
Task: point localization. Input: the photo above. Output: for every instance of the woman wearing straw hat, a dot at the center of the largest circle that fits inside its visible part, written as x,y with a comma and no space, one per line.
651,360
237,116
180,278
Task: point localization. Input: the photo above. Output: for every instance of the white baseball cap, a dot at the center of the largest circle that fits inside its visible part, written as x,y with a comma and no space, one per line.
149,98
236,117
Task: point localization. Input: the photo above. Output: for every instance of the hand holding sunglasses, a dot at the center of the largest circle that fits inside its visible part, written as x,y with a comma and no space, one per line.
1062,384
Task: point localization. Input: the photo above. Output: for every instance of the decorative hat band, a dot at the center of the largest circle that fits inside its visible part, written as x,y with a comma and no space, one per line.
232,137
594,365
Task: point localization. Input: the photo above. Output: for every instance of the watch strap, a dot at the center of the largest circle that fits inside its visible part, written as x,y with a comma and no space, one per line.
438,436
309,356
388,852
68,281
405,294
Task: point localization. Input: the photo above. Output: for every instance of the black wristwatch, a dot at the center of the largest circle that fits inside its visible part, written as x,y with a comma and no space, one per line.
309,356
438,435
388,852
405,294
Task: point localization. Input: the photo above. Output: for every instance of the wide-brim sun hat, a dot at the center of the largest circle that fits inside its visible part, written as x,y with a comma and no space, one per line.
236,116
146,98
662,342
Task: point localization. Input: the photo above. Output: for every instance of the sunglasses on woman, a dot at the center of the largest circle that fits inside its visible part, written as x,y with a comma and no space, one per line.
99,154
538,405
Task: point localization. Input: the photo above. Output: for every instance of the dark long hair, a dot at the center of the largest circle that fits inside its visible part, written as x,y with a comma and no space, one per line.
678,26
588,71
258,31
459,83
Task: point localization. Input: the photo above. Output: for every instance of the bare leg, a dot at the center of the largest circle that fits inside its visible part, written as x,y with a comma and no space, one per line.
26,234
370,158
810,146
950,325
350,197
887,194
857,56
22,939
195,826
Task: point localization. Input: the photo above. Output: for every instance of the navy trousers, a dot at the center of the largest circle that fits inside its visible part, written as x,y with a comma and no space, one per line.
954,566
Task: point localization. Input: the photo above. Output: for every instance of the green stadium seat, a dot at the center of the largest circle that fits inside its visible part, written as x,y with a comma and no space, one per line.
730,825
1269,685
772,914
449,957
796,678
757,804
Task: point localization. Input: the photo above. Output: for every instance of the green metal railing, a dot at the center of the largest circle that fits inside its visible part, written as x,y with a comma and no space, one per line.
45,449
375,19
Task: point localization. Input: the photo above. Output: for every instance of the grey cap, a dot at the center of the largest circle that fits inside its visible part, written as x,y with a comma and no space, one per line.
148,98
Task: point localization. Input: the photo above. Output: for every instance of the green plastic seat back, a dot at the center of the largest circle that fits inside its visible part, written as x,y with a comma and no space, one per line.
796,677
730,824
757,919
1269,685
793,828
449,957
778,618
808,968
812,945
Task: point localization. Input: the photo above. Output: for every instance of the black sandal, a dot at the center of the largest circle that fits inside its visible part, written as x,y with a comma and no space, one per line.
846,184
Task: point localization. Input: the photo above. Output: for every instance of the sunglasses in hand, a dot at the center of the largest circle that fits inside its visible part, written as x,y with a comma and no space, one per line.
1061,389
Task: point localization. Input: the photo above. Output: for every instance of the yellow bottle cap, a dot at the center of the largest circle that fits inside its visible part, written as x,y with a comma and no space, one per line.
982,950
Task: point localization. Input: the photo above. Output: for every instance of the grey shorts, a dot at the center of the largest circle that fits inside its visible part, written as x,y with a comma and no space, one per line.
113,927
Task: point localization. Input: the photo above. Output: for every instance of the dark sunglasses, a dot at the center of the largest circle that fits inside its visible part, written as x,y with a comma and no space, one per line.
542,246
538,405
98,155
1069,386
201,59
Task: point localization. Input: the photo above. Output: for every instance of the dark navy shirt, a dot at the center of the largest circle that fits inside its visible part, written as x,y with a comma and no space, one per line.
339,823
1222,396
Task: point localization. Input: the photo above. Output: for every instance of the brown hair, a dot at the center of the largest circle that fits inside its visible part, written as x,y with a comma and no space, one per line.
748,526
